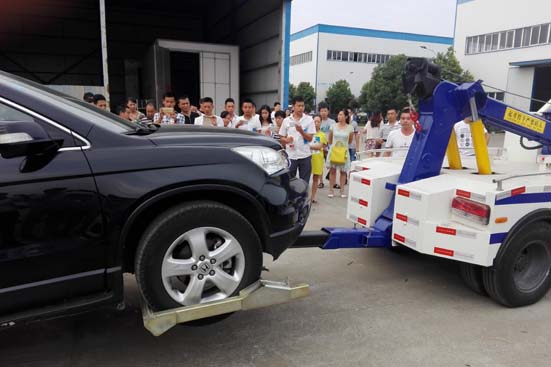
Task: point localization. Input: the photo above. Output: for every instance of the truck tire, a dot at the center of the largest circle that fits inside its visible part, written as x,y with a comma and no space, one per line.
521,274
472,276
194,253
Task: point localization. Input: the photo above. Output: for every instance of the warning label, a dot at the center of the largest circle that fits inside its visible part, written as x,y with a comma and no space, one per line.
525,120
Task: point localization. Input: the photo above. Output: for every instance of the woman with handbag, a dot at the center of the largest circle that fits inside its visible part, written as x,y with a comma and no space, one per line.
338,158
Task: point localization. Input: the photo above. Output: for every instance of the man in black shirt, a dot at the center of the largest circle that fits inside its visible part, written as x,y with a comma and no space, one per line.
185,110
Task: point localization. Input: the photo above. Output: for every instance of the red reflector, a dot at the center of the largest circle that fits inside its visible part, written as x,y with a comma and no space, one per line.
402,217
362,202
365,181
443,251
444,230
403,193
362,221
472,210
364,168
518,191
399,238
464,194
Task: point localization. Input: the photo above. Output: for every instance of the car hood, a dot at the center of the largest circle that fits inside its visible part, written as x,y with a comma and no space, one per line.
204,136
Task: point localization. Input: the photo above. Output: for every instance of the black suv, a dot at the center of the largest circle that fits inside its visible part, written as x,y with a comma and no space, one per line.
86,196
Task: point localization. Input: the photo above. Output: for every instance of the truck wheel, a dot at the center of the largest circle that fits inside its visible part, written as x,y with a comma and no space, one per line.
195,253
472,276
521,272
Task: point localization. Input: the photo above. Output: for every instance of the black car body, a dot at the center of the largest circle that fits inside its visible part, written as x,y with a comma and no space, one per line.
75,205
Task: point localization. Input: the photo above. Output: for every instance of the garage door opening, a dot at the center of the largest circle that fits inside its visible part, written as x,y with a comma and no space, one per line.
542,86
184,75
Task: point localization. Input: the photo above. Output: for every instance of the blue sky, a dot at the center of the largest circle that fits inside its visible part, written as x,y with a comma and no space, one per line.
434,17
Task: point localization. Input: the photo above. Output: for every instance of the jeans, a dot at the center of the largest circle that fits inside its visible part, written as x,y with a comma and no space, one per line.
304,167
352,152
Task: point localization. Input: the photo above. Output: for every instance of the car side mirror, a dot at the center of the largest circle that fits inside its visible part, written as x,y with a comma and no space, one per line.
23,145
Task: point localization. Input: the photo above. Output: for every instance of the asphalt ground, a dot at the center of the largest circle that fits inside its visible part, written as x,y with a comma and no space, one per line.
368,307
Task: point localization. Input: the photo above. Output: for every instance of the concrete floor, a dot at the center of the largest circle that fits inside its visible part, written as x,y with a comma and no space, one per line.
367,308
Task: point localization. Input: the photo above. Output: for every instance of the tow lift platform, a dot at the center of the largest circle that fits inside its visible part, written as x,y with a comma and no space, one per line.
263,293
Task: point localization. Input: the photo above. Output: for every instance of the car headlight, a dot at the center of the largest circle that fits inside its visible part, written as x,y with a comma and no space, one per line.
270,160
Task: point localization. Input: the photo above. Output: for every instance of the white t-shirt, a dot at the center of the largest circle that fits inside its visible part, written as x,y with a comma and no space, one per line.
396,139
252,124
464,138
299,148
202,120
234,121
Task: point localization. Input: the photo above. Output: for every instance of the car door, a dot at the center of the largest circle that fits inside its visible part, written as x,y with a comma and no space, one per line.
52,248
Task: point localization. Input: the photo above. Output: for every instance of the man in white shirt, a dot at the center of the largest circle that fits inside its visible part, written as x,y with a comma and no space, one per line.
208,118
249,120
464,138
297,131
277,107
229,106
401,138
391,125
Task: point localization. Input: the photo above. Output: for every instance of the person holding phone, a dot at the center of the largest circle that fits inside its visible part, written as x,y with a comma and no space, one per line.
208,118
249,120
167,114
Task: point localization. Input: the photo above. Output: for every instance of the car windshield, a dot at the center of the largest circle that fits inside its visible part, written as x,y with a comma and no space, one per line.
118,124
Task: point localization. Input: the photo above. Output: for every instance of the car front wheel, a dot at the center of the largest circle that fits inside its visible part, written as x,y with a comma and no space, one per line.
195,253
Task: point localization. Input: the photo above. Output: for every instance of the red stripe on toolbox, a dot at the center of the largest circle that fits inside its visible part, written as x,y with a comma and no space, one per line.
464,194
518,191
443,251
362,221
402,217
399,238
365,181
403,193
444,230
362,202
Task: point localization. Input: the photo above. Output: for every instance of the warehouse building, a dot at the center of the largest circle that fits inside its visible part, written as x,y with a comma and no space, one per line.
142,48
324,54
510,51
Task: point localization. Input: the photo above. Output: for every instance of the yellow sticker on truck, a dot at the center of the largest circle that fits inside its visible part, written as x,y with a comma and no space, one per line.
524,120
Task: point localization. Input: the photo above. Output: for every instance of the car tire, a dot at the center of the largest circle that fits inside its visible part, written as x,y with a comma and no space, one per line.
521,274
216,250
472,276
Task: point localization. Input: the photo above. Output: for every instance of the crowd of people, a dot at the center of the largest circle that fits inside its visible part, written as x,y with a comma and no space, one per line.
315,143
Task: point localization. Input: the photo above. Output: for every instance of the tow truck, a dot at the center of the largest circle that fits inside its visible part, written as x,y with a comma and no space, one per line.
494,218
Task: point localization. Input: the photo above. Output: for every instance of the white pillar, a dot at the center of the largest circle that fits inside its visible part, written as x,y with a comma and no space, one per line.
103,30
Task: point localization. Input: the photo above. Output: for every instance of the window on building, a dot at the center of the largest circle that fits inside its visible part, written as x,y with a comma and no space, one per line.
496,95
510,37
513,38
488,42
526,36
502,39
535,38
302,58
469,46
344,56
518,37
544,33
495,37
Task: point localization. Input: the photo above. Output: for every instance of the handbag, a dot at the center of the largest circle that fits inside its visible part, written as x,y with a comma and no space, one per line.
338,153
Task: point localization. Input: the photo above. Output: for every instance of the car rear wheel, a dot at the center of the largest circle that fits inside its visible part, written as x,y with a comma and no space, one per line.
195,253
